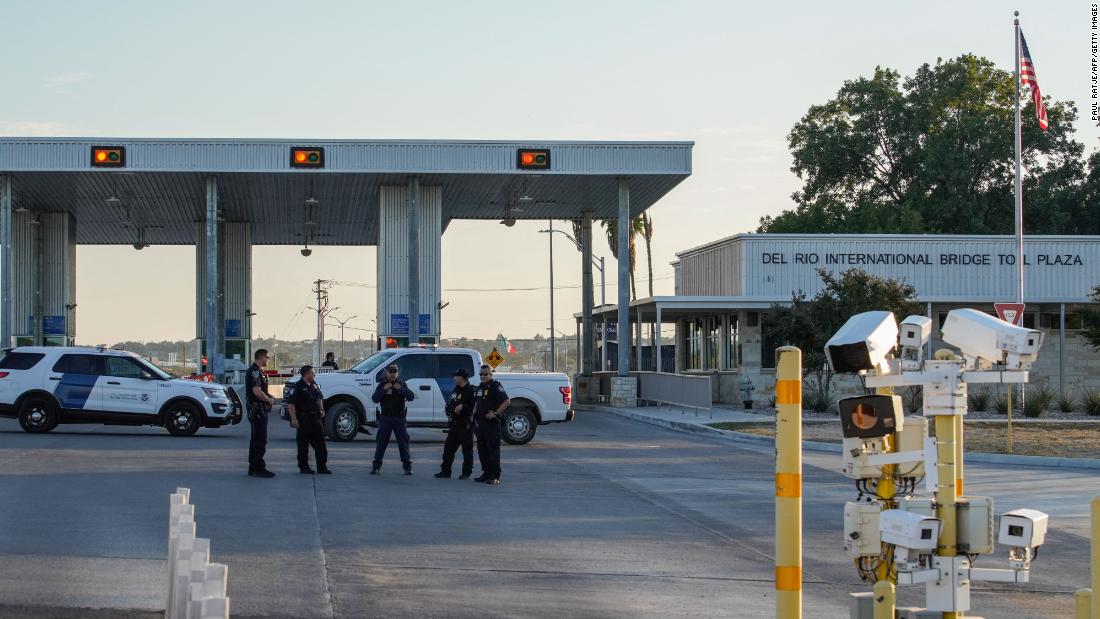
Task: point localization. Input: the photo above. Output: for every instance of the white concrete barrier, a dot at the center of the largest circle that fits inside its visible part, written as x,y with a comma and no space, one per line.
197,588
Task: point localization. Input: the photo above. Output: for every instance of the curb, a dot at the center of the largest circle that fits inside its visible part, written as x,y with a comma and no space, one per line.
743,437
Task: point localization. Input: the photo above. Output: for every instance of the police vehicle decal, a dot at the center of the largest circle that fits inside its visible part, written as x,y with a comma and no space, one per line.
74,390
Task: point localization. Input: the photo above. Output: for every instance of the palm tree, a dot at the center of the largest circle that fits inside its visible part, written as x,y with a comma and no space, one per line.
611,227
647,234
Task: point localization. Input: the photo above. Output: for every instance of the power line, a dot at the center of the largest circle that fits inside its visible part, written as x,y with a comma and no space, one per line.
665,276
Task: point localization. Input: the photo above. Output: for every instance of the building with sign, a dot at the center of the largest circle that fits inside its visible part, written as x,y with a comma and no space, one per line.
724,288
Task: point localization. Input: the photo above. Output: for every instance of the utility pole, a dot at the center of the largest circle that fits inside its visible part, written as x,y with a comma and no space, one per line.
553,350
321,290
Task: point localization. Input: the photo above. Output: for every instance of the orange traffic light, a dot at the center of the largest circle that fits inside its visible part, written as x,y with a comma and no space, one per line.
307,157
533,159
108,156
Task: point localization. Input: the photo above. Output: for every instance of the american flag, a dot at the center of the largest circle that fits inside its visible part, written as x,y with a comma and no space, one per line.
1027,76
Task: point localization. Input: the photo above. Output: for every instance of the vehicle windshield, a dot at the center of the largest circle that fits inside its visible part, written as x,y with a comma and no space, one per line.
152,367
368,365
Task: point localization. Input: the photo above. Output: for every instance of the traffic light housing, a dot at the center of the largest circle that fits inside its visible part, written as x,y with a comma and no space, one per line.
307,157
533,159
108,156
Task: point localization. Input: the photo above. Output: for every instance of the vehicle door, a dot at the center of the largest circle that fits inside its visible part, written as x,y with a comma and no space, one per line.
445,381
417,370
74,377
128,388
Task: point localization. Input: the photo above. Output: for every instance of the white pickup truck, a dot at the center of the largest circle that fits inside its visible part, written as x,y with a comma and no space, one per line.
538,398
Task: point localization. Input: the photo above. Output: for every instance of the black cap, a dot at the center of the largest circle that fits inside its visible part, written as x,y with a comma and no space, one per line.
461,372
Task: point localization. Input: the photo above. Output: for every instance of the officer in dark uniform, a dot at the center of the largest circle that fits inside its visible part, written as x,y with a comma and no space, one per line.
306,412
492,401
460,428
392,396
330,362
259,403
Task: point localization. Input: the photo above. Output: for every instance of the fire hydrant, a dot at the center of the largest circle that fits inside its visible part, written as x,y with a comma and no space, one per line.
746,392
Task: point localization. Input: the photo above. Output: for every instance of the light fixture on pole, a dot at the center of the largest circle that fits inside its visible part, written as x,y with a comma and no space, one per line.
599,264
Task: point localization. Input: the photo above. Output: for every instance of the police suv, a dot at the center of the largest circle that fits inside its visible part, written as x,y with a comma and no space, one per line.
538,398
45,386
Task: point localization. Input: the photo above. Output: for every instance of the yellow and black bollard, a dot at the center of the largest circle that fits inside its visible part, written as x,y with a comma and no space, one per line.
788,483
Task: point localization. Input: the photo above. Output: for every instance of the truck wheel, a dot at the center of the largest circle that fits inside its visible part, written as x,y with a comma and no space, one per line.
519,426
182,419
38,415
341,422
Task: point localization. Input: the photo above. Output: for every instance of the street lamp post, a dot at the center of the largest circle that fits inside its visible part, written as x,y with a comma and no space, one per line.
598,264
553,351
343,322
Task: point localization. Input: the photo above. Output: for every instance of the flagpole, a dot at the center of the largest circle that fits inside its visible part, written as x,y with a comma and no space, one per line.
1019,211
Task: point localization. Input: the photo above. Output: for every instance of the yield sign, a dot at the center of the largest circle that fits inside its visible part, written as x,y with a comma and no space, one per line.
1010,312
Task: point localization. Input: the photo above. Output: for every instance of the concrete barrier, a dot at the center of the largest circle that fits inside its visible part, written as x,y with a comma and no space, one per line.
197,588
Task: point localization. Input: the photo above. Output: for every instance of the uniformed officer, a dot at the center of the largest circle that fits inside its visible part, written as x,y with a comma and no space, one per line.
330,362
460,428
492,401
307,409
393,396
259,403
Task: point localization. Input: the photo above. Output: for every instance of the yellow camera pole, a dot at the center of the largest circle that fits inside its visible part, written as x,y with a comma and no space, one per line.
946,491
788,483
886,489
1088,606
885,598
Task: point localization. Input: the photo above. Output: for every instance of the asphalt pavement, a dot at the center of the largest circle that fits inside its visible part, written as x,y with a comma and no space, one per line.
602,517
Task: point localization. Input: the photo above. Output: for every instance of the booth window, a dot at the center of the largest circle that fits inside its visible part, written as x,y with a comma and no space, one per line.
768,343
694,357
733,351
714,342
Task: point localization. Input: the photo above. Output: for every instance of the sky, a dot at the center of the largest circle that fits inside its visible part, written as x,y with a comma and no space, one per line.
732,76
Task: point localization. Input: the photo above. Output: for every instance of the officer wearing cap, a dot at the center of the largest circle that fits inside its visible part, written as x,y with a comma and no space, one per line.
330,362
259,403
392,396
307,409
492,401
460,428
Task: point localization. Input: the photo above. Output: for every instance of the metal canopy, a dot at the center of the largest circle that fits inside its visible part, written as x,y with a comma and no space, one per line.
161,191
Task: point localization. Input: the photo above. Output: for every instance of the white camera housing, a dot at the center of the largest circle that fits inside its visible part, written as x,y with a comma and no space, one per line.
915,331
863,343
987,339
1023,528
909,530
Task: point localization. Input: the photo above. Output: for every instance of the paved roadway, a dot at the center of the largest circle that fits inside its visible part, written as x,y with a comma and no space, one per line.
604,517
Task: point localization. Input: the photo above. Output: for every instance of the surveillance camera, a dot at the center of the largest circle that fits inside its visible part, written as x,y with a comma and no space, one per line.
915,331
863,343
508,222
1023,528
909,530
989,340
139,246
306,251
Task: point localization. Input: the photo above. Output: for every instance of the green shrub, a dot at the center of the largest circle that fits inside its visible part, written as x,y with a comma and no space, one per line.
1000,404
1090,401
817,400
1067,403
1038,400
979,399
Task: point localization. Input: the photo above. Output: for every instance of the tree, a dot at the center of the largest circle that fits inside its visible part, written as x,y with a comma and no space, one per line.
934,153
645,228
1091,319
611,227
809,323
